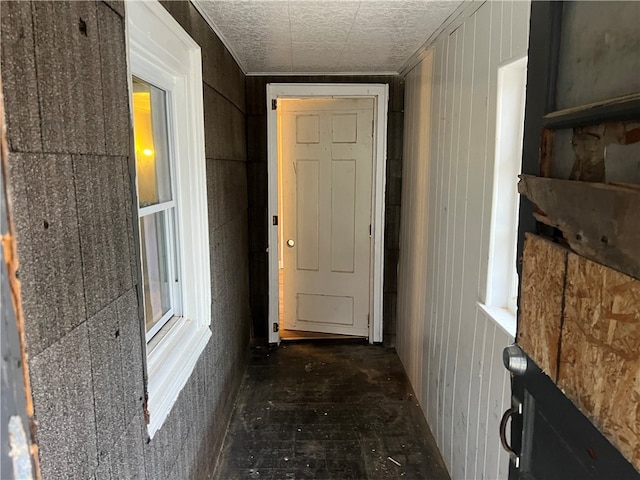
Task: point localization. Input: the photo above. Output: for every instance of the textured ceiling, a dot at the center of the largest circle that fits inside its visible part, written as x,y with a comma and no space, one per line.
329,36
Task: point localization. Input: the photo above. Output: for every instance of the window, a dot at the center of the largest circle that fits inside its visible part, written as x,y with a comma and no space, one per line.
166,99
156,206
502,279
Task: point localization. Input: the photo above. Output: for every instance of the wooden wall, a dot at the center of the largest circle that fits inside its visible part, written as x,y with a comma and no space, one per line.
450,348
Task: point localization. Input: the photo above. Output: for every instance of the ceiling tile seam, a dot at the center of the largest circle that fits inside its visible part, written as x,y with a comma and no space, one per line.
217,31
346,41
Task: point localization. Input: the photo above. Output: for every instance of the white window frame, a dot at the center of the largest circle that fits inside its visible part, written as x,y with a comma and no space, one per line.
500,302
162,53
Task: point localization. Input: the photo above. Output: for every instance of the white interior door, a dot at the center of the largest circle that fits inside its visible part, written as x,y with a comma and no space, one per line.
325,213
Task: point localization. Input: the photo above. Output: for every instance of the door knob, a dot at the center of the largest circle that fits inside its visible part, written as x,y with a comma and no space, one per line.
290,243
515,360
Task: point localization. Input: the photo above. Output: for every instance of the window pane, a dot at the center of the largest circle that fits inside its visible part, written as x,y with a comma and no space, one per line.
155,271
152,143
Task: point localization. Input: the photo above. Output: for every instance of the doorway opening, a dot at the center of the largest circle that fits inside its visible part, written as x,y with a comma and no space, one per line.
326,167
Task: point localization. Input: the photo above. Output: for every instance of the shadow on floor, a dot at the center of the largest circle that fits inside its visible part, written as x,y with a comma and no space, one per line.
328,410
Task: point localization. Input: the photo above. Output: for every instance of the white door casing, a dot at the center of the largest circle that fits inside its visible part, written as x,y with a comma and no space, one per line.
325,213
380,94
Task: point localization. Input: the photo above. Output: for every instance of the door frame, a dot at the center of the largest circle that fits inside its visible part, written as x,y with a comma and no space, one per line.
380,94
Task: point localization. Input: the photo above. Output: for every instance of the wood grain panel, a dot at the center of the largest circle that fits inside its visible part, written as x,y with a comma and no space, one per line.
600,354
542,290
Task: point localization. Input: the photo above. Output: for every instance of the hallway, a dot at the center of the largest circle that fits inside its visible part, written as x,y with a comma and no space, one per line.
327,410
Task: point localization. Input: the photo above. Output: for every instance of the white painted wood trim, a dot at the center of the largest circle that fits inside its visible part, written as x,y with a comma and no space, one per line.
159,48
504,318
380,92
158,207
170,365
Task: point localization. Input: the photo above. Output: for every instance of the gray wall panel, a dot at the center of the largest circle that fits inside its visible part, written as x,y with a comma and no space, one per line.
20,86
61,381
69,76
75,227
42,191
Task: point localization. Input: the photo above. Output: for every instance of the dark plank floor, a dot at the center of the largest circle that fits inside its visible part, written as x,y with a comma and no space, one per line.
324,410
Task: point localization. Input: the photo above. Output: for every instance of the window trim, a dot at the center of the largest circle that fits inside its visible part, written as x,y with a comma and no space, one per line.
499,302
161,52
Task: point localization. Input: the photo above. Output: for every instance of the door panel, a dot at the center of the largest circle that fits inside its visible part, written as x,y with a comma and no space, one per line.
325,213
343,215
552,438
558,441
307,199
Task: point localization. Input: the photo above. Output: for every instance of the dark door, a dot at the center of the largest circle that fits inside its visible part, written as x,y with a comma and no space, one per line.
15,434
580,74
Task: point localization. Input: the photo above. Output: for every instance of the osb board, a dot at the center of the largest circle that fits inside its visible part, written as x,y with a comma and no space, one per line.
600,351
543,274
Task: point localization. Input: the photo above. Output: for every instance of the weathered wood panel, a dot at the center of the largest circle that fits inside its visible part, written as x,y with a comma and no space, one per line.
464,387
604,152
600,354
598,221
541,295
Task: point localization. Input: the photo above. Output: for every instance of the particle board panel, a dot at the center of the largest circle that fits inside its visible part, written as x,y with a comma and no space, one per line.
541,296
62,384
68,61
18,66
115,90
107,373
41,189
105,229
600,352
224,128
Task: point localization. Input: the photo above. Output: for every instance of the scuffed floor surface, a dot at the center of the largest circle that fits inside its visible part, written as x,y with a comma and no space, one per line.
328,411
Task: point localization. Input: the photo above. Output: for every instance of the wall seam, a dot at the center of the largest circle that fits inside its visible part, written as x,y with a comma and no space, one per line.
35,65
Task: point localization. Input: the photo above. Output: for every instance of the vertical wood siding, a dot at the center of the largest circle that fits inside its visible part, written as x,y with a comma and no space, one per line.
450,348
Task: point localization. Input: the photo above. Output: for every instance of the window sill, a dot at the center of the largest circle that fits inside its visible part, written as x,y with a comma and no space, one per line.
171,361
505,319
